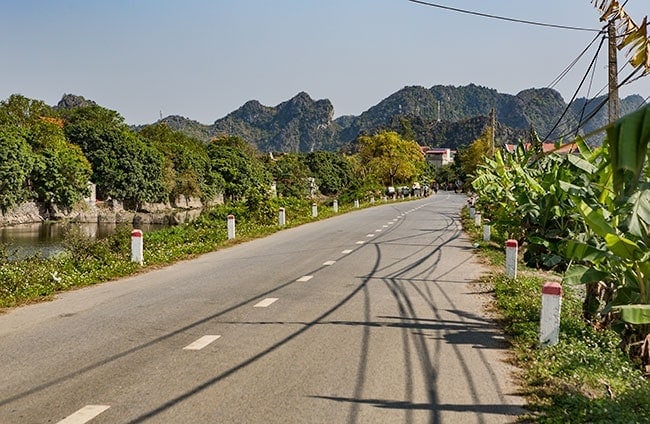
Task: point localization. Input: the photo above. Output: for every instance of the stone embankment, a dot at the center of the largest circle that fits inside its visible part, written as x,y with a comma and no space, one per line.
111,211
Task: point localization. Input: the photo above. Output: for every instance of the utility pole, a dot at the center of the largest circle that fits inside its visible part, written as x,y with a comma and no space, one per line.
614,101
493,126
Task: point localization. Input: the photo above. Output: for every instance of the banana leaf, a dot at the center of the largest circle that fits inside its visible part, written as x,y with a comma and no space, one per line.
639,220
579,251
580,274
628,140
635,314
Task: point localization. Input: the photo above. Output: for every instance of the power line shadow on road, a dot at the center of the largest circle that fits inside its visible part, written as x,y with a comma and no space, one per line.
497,409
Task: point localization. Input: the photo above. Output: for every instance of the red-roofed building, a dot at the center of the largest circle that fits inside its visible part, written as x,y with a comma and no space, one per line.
438,156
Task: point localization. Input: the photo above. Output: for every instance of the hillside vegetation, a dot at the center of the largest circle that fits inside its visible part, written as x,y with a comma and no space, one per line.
440,116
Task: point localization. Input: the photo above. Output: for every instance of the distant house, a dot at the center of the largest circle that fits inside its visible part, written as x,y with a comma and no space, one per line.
438,156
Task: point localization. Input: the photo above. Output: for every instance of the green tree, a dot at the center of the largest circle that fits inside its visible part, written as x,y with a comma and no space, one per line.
125,166
390,158
16,163
23,112
333,172
474,155
62,172
188,169
239,164
291,175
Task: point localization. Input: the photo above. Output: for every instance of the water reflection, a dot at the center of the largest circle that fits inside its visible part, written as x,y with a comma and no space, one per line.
45,238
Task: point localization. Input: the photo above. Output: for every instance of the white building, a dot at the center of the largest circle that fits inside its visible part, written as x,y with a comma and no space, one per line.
439,156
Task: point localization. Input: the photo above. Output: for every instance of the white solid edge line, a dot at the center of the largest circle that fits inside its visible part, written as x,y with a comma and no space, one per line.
266,302
84,415
201,343
304,278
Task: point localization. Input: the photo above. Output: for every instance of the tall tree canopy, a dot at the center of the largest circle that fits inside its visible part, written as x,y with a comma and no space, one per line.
241,168
125,166
391,158
16,163
333,172
188,169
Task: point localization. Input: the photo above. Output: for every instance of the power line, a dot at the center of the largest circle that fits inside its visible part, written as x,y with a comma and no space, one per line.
597,109
575,61
503,18
575,94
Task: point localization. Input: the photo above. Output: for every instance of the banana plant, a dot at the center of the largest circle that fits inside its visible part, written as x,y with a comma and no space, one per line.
616,212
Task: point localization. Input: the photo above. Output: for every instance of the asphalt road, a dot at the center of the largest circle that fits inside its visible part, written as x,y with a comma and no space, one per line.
366,317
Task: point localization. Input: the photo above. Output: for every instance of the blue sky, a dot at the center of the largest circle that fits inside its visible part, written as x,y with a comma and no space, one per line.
205,58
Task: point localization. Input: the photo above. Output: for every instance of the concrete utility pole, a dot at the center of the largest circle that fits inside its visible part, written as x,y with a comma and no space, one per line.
493,125
614,101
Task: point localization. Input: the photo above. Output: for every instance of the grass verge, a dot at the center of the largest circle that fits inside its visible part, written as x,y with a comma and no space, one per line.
87,261
586,377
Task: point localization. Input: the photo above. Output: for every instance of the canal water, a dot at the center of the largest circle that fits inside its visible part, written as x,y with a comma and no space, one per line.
46,238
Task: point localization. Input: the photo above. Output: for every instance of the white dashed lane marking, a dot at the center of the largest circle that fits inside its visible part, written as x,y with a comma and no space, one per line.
370,235
346,251
266,302
328,263
360,242
201,343
304,278
84,415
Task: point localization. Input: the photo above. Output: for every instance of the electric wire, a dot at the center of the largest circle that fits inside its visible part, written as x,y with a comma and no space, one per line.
574,62
575,94
597,109
586,102
591,67
503,18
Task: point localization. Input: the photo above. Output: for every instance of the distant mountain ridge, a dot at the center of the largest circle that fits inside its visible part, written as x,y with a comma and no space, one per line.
440,116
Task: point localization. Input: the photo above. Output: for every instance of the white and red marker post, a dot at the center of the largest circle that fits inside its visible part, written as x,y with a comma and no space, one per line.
314,210
549,321
335,206
137,247
282,218
512,250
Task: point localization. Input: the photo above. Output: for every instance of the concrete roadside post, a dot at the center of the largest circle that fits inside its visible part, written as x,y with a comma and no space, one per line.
512,250
231,227
549,321
385,199
335,206
137,247
472,212
356,204
314,210
477,219
282,219
487,232
372,200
